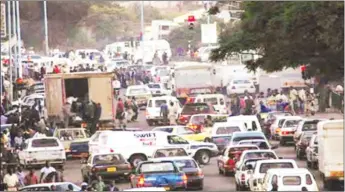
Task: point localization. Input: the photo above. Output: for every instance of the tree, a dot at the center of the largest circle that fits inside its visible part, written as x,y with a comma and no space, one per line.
290,34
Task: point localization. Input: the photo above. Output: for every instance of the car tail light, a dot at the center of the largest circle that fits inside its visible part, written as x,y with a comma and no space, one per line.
277,130
183,118
233,87
191,126
184,178
111,151
141,180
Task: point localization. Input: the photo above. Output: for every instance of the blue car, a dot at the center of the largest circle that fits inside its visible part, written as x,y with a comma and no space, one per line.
159,173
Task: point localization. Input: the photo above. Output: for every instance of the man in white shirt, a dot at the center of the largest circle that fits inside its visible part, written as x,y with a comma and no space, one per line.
302,98
293,99
11,180
46,170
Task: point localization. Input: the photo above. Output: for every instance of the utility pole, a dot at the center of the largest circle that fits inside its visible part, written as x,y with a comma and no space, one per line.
45,27
10,63
142,30
19,43
15,35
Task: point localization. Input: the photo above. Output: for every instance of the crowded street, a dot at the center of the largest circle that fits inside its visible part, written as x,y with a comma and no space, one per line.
172,96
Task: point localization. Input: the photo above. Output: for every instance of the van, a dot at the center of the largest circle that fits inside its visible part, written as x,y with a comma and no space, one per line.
153,109
139,146
216,100
251,122
36,151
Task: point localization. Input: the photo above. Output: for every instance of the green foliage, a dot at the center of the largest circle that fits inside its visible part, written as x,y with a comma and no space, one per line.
289,34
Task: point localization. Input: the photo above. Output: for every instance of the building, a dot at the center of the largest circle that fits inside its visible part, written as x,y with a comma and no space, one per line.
160,29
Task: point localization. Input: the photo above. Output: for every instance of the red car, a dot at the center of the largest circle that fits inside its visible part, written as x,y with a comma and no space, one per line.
190,109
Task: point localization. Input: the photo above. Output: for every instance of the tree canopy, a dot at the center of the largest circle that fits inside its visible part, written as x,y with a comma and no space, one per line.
289,34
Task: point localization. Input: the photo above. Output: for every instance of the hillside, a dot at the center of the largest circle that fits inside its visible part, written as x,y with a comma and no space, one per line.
74,24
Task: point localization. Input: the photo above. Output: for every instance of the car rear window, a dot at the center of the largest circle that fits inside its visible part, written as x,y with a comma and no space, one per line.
38,143
190,109
158,103
198,119
266,166
237,139
108,159
165,129
292,180
260,154
241,82
260,144
154,86
170,153
157,167
227,130
135,91
310,126
212,101
291,123
281,122
185,163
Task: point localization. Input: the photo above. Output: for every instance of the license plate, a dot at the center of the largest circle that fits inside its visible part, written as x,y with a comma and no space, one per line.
111,169
167,188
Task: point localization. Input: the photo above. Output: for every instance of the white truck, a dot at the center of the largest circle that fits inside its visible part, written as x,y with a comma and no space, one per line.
331,153
139,146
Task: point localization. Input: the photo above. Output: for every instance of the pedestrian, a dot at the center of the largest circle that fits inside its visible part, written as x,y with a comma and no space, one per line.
11,180
98,114
135,109
128,110
113,186
47,169
302,99
66,113
56,69
18,139
274,186
100,184
31,178
172,113
293,99
164,111
21,176
43,71
120,110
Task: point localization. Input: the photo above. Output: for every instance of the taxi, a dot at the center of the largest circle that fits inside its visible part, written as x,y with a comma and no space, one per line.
142,94
107,165
186,132
69,135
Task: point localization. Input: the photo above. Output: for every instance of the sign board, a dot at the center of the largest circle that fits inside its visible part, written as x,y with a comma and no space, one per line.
3,20
209,33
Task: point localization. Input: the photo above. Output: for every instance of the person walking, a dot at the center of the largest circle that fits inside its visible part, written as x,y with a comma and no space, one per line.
120,110
172,113
135,109
302,100
46,170
293,99
164,112
31,178
11,180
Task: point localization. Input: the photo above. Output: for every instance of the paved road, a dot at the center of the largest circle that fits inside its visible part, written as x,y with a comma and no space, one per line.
213,181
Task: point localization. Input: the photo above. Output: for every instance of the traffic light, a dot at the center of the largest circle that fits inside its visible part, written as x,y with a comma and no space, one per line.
303,72
191,20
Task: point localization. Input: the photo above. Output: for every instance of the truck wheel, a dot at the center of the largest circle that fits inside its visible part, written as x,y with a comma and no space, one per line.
203,157
149,122
136,159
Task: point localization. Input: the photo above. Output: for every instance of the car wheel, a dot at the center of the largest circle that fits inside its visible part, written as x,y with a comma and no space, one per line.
136,159
203,157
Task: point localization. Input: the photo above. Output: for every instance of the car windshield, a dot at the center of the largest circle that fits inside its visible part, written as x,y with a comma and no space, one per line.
159,103
227,130
138,91
44,142
260,154
108,159
190,109
154,86
310,126
156,167
165,129
178,152
212,101
291,123
185,164
71,134
266,166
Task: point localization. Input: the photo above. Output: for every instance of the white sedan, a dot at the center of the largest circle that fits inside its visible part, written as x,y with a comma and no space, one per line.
239,86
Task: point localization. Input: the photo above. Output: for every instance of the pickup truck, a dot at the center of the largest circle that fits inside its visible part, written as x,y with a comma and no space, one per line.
69,135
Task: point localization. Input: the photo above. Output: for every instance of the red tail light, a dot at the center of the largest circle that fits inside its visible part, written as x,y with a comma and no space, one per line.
243,177
141,181
111,151
233,87
184,178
